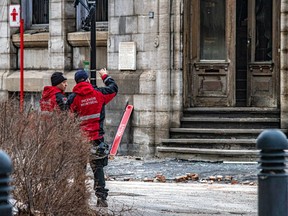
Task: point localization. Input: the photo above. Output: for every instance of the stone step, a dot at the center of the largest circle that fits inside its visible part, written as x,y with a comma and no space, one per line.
215,133
231,112
248,144
216,122
203,154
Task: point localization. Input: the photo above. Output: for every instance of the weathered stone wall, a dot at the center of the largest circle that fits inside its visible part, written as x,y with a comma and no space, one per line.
284,63
154,88
7,51
62,21
44,51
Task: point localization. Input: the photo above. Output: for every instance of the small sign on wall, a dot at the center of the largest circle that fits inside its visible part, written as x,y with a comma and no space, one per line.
14,15
127,56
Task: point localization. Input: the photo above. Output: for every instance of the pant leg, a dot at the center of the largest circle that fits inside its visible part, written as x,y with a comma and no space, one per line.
97,166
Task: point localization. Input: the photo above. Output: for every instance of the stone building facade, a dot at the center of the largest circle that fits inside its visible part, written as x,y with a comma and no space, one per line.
171,64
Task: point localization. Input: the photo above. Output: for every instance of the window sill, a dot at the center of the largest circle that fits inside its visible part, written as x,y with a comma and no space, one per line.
34,39
75,39
82,39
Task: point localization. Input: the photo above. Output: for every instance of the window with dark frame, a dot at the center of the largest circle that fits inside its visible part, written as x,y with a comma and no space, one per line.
40,12
212,30
101,10
263,40
36,13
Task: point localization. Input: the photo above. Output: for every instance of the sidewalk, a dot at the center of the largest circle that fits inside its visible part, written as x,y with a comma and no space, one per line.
173,199
130,195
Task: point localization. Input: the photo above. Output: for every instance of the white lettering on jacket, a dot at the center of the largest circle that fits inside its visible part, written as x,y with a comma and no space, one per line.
88,101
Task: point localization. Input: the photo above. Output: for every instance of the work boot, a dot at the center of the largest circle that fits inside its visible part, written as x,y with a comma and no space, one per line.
102,202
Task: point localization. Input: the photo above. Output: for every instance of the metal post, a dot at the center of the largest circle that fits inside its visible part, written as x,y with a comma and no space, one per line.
93,46
5,188
21,64
272,178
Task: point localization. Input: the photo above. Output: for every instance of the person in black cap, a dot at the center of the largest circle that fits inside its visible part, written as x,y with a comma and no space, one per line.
89,105
53,97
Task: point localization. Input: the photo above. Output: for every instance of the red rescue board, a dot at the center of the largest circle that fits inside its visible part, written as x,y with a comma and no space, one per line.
121,130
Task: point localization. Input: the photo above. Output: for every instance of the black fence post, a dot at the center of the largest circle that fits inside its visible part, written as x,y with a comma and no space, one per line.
5,188
272,178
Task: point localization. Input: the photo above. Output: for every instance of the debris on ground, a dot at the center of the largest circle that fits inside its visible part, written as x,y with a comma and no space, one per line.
127,168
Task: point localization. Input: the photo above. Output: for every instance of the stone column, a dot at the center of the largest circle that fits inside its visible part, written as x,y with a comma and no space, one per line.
284,64
163,75
177,63
61,22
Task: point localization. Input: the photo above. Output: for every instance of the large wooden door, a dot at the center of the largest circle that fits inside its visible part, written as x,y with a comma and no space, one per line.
263,53
211,56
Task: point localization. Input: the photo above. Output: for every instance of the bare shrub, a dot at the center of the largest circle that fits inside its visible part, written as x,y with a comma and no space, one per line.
49,157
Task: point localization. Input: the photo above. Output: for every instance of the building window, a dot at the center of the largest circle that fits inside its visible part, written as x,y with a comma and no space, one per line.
101,10
263,42
212,30
83,8
40,12
35,14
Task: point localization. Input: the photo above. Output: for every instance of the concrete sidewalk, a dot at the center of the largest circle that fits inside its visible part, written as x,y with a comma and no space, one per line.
130,195
169,199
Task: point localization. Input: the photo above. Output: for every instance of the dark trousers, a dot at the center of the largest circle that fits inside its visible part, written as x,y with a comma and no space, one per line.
97,164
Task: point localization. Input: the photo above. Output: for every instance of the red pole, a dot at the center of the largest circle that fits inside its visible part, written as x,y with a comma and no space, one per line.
21,64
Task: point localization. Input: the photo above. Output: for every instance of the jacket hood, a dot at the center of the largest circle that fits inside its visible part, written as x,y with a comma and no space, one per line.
83,88
48,91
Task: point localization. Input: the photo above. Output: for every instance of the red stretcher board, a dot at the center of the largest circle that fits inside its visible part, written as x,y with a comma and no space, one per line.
121,130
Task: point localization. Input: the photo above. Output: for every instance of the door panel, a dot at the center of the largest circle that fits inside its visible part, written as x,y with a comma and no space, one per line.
212,58
263,57
210,84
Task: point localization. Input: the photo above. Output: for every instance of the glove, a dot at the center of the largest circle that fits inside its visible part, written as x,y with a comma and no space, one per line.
102,150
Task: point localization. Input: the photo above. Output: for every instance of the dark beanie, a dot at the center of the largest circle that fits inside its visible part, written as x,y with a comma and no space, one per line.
80,76
57,78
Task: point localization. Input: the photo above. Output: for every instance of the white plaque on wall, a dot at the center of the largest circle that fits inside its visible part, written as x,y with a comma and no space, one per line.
127,56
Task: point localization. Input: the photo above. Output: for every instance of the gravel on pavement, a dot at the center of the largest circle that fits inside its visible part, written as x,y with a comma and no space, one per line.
129,168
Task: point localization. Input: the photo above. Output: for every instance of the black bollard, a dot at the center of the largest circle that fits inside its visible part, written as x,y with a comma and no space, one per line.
272,178
5,188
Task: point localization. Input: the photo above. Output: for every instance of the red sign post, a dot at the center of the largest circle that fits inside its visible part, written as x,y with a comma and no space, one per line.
16,21
21,64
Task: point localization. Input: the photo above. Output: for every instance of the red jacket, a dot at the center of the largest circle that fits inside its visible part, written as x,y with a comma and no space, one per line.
52,98
89,104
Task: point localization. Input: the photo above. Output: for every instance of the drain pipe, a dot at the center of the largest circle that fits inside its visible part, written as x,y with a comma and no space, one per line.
171,47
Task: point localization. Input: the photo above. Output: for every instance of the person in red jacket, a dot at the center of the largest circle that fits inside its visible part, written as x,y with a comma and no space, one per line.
53,97
89,105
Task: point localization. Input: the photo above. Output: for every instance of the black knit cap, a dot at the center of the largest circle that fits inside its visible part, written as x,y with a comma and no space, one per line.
57,78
